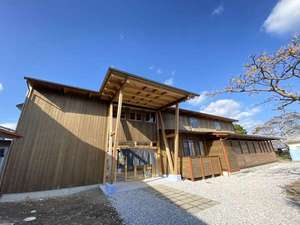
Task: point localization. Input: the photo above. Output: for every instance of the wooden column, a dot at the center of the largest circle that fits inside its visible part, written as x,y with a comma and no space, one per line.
170,161
108,153
115,144
176,139
125,168
158,152
225,155
271,146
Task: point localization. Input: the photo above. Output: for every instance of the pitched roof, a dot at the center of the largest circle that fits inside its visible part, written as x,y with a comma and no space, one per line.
139,91
202,115
151,93
49,85
8,133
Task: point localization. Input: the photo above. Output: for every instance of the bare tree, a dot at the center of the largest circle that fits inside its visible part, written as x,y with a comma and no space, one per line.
277,74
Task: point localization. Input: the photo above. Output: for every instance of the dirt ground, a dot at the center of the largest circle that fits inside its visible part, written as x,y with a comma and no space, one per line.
293,192
89,207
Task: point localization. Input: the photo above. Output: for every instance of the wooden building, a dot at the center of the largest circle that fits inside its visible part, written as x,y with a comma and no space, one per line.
132,128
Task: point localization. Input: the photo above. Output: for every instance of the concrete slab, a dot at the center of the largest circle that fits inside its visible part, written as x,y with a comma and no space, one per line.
37,195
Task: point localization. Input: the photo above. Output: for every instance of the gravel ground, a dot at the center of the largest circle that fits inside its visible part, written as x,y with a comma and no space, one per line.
88,207
252,196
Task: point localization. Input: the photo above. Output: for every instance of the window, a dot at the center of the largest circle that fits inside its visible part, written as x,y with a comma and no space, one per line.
123,114
1,152
188,147
186,150
138,116
199,148
193,147
217,125
195,123
150,117
132,115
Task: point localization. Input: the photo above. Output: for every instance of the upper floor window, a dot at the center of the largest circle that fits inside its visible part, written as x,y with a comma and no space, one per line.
138,116
195,123
150,117
132,115
217,125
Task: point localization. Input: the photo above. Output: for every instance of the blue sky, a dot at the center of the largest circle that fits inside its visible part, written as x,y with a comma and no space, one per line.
195,45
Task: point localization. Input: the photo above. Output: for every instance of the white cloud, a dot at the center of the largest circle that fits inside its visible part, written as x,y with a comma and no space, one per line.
218,11
12,125
233,109
121,37
159,71
169,81
151,67
284,18
199,99
173,72
1,87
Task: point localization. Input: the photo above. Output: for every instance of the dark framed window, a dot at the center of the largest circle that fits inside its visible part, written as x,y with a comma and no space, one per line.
138,116
150,117
193,147
2,152
132,115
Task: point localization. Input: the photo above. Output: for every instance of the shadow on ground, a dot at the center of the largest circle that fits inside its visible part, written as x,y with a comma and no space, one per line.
293,193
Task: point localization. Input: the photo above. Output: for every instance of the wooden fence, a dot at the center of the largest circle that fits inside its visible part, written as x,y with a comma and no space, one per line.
200,166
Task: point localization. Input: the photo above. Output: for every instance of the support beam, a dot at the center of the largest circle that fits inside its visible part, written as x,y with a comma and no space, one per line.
125,168
158,152
225,155
108,153
115,144
176,139
170,161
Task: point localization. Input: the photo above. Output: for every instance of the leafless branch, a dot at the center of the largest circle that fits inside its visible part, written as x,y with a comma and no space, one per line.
276,74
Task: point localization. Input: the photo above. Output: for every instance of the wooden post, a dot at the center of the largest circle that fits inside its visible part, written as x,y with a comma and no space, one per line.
242,151
145,170
191,169
211,166
125,168
153,170
114,158
271,146
134,171
202,167
170,161
108,166
225,155
158,152
176,139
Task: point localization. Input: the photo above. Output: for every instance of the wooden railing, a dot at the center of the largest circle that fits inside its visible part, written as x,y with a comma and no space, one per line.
200,166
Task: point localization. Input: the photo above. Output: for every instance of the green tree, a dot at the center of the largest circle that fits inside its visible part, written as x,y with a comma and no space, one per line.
239,129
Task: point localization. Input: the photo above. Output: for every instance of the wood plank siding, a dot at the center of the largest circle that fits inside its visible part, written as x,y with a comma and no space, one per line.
250,153
136,130
196,124
63,144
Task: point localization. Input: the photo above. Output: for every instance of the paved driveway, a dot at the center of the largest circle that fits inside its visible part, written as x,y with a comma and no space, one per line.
252,196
